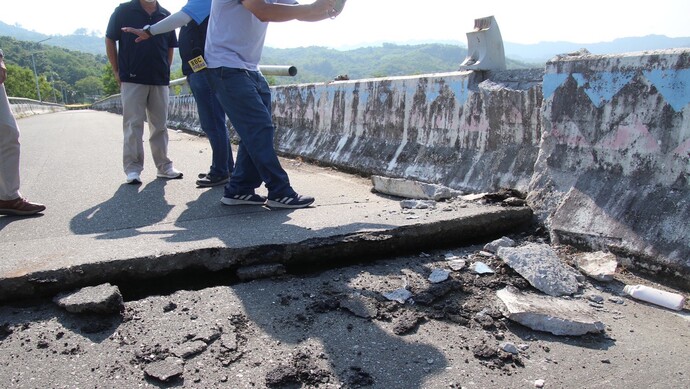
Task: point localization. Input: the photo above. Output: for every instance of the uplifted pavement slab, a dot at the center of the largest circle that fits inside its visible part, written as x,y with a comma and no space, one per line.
98,229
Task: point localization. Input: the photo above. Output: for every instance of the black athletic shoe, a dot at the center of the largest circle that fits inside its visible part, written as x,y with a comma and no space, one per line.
209,180
296,201
248,199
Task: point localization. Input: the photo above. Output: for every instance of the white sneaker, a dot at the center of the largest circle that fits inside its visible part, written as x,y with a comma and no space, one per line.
133,178
171,173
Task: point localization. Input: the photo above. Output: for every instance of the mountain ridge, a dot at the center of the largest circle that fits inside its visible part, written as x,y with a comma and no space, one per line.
530,53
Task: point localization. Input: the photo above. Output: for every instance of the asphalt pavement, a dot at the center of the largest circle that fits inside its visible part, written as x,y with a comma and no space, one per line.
99,229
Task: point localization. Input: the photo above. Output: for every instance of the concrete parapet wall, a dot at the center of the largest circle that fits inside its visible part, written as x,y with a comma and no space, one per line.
112,104
21,107
614,165
453,129
182,113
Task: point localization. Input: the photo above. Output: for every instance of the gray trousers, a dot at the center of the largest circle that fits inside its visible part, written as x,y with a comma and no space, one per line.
9,150
144,103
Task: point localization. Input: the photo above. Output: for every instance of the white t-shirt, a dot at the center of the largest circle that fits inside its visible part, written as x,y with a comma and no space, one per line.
235,37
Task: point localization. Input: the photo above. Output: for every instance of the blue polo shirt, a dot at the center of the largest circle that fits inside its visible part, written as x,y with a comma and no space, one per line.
145,62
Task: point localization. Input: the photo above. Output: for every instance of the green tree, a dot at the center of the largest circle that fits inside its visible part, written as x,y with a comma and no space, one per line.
110,86
20,82
48,93
91,87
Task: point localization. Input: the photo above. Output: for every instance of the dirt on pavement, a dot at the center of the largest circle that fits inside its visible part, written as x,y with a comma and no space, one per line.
337,329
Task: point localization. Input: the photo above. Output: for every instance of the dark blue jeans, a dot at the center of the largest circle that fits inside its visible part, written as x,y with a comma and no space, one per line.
212,120
246,99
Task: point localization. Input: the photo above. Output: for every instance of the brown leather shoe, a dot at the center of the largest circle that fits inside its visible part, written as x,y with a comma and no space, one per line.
20,207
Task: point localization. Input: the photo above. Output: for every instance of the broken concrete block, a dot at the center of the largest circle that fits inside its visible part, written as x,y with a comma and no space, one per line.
400,295
549,314
411,189
103,298
509,347
481,268
539,264
492,247
438,275
599,265
418,204
165,370
457,264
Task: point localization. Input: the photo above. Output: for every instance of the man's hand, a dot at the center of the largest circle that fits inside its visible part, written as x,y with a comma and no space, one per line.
140,33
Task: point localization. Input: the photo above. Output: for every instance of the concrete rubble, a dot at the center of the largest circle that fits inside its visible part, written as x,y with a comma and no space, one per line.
540,265
438,275
481,268
418,204
412,189
493,246
599,265
400,295
549,314
103,299
165,370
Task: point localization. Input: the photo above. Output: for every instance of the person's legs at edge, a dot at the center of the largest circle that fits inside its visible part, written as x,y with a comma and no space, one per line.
246,98
157,113
134,97
11,201
212,120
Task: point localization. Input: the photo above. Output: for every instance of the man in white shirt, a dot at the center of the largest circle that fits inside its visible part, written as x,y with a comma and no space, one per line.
234,43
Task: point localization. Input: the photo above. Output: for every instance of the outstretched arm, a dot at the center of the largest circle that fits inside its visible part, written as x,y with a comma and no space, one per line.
266,12
168,24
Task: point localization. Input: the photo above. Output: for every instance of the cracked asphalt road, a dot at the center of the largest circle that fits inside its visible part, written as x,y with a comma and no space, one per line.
335,329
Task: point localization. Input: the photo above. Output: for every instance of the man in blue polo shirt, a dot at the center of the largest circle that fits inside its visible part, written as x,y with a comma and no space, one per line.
143,72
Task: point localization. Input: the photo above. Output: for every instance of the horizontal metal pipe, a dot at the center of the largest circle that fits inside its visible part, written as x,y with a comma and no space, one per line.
278,70
266,70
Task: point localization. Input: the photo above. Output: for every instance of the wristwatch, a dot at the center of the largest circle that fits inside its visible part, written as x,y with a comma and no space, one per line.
147,30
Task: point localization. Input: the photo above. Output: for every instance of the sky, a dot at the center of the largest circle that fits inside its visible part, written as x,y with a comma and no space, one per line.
371,22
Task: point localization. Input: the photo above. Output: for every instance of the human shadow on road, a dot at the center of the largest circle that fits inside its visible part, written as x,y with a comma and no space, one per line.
235,226
5,220
357,349
129,209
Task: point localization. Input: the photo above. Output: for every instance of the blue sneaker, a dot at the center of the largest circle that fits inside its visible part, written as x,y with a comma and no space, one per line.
246,199
296,201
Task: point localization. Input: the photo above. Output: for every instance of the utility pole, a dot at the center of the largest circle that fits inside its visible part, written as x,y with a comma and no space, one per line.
33,62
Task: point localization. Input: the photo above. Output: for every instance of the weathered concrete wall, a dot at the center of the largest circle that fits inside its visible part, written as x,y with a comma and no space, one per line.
182,113
26,107
614,165
452,129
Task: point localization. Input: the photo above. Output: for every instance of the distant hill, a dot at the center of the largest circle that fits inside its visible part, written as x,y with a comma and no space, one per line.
316,64
84,42
542,52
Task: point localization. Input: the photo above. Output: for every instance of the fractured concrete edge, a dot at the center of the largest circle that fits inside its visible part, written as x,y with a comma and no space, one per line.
367,244
549,314
412,189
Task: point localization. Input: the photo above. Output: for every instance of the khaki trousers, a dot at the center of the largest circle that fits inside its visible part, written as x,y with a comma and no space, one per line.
144,103
9,150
